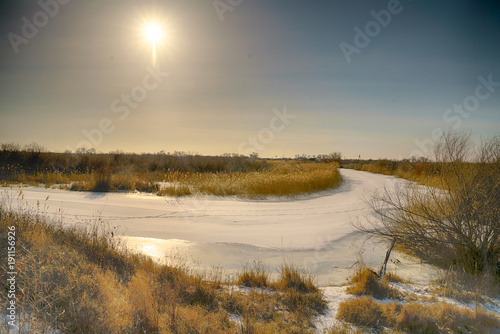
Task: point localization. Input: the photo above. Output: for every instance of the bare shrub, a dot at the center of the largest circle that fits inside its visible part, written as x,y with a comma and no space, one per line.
457,221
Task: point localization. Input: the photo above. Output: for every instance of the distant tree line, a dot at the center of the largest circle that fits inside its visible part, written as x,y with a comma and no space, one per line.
34,158
331,157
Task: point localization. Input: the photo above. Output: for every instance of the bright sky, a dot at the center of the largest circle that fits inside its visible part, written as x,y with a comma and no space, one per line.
277,77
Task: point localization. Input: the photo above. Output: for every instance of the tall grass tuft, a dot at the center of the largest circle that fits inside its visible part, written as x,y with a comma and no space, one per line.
366,283
361,312
292,279
256,276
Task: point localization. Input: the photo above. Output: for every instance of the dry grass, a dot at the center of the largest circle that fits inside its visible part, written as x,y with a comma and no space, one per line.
294,289
276,178
176,190
365,283
280,179
416,318
81,280
465,287
361,312
420,172
256,276
344,328
393,278
292,279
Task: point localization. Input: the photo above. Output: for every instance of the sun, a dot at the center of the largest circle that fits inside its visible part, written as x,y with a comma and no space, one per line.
153,32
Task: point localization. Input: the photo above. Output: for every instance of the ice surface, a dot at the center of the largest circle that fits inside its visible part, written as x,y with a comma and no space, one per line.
313,232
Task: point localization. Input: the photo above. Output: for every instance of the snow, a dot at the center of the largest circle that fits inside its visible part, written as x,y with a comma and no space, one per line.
334,295
423,292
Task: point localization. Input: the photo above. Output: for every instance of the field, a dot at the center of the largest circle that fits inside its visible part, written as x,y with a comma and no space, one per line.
164,174
422,171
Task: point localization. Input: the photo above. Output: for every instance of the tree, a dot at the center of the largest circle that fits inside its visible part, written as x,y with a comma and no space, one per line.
34,149
332,157
10,147
454,222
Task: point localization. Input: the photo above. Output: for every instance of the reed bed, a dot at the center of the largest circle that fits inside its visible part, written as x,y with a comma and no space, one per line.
278,178
281,179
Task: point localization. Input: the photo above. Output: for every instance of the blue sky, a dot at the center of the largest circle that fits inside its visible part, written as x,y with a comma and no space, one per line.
231,73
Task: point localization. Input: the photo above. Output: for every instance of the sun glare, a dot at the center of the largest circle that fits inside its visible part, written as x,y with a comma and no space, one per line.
153,32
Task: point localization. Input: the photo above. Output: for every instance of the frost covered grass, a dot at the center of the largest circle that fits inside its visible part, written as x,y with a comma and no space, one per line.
80,279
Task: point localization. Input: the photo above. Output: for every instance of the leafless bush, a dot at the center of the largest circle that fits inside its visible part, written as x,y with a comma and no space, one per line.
457,222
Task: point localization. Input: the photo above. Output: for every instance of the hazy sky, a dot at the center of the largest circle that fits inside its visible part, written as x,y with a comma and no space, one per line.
278,77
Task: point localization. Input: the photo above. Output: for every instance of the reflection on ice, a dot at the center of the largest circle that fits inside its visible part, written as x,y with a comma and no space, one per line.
162,251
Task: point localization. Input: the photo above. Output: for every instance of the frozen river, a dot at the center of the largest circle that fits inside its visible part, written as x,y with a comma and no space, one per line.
313,232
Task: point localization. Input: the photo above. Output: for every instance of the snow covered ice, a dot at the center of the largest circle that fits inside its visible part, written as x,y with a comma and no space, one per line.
314,232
